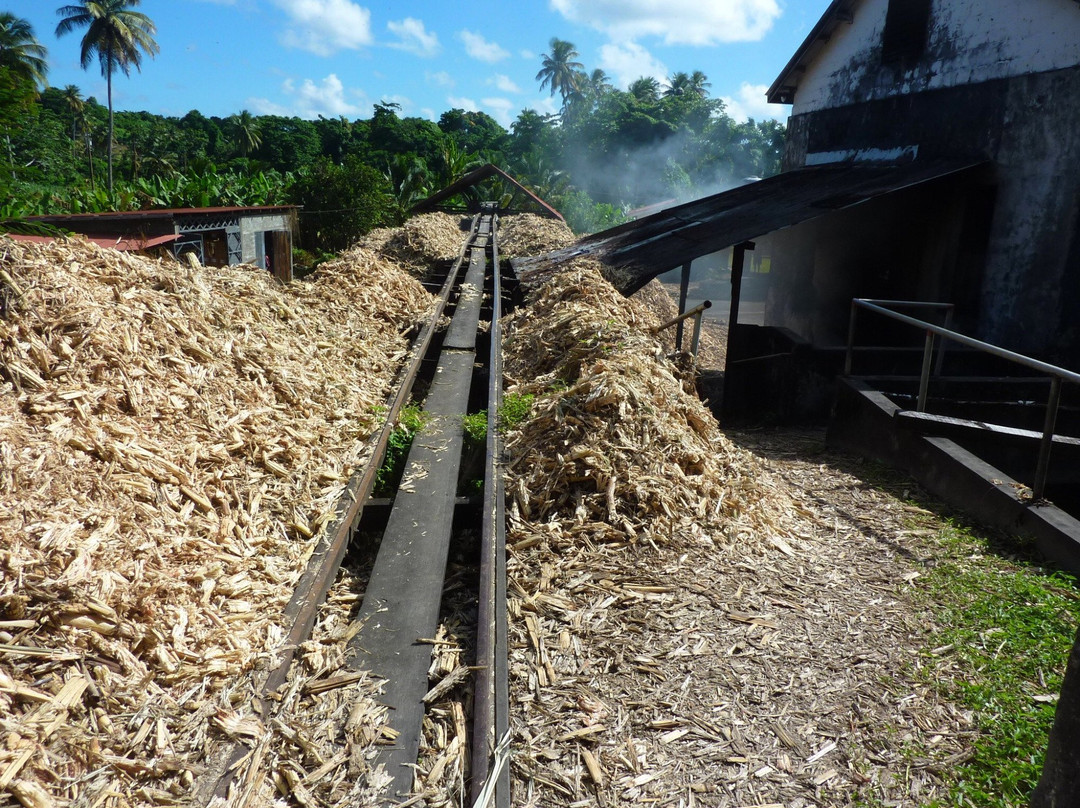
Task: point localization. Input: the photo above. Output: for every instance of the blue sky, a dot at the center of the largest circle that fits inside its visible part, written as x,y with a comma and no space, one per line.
340,57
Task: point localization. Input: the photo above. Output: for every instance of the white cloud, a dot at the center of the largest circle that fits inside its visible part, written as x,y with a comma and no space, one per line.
504,83
459,102
629,62
501,109
676,22
751,103
324,27
310,100
440,79
527,54
429,113
545,105
264,106
414,37
479,48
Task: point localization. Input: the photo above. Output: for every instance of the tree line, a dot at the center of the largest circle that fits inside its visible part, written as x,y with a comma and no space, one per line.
606,152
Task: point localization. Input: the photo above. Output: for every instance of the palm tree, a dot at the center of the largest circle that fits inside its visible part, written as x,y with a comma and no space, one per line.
20,52
116,36
560,73
699,83
688,84
645,89
245,130
678,84
73,98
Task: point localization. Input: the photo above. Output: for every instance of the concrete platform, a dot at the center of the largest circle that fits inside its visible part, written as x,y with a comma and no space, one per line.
865,422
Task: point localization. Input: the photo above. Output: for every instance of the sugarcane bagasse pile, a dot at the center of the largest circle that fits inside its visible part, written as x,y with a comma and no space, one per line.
690,623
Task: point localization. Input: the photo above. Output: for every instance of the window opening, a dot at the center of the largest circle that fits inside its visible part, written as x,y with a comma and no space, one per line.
907,24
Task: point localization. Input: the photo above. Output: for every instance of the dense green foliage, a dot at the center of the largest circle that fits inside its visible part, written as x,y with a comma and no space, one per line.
607,152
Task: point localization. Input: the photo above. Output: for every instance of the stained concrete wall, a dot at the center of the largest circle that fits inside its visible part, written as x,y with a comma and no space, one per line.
1029,288
914,244
969,41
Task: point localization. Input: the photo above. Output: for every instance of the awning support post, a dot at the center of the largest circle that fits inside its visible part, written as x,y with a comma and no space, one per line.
684,288
738,258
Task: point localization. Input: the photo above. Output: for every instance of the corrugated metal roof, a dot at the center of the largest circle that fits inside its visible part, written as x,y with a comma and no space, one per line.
636,252
116,243
157,213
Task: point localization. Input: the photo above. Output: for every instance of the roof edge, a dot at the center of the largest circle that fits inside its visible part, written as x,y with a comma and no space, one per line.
782,90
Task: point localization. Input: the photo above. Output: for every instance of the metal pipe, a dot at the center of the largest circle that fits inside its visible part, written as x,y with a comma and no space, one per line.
924,376
1042,468
944,341
693,312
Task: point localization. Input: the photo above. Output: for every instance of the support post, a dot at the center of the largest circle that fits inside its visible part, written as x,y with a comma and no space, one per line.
684,288
1043,467
738,258
924,377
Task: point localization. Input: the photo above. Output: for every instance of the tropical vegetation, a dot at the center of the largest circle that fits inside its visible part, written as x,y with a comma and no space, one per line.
606,152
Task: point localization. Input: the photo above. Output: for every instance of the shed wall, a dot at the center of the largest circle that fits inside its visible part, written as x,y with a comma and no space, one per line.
1027,126
969,41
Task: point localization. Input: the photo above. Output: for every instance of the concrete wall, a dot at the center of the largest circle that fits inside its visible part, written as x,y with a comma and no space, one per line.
250,226
970,41
1028,127
909,245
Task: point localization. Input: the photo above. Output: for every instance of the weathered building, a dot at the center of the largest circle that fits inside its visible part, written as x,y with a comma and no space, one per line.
917,80
216,236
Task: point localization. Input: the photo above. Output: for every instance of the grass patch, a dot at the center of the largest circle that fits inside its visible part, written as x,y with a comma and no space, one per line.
514,410
1010,627
410,419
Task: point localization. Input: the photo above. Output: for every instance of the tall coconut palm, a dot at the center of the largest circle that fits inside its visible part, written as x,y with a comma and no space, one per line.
560,73
116,36
245,131
73,98
20,52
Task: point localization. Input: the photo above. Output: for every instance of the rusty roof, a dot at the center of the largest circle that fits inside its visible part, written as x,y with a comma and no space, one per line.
155,213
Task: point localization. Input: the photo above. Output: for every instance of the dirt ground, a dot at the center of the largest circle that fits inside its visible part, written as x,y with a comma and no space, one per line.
775,665
789,681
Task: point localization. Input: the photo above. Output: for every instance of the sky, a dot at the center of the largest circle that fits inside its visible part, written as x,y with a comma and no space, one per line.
340,57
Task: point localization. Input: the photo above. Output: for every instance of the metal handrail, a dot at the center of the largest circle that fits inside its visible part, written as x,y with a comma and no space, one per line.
696,313
1057,374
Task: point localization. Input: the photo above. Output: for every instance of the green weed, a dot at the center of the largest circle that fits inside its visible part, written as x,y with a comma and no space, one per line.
409,421
515,410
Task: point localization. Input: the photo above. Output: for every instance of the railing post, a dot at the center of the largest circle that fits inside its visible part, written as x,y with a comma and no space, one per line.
944,342
924,378
849,357
696,339
1043,467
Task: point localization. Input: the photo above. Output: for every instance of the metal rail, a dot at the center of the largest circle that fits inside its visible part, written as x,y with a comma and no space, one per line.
323,565
1057,374
490,771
